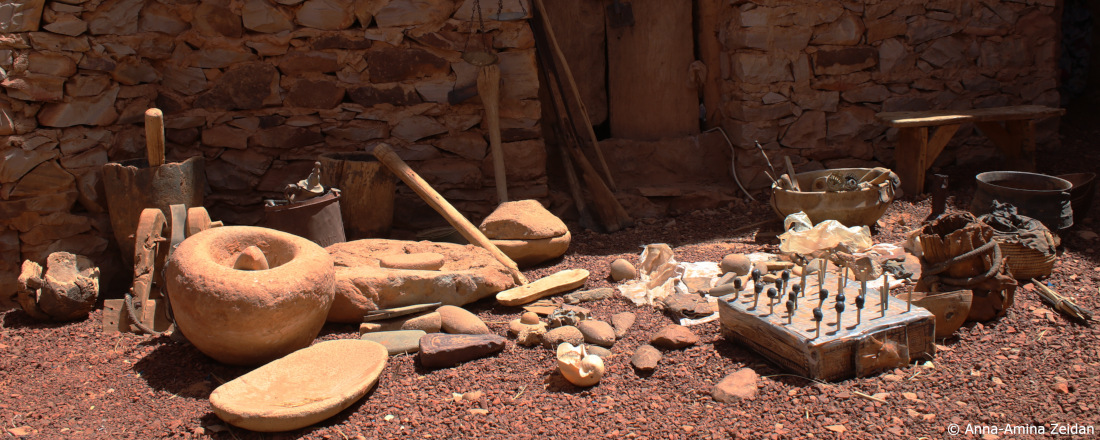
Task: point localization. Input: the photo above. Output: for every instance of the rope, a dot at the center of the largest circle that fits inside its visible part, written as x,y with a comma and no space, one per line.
129,301
994,269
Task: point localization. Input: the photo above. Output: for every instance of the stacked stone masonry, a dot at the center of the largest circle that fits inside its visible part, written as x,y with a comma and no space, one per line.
805,78
260,89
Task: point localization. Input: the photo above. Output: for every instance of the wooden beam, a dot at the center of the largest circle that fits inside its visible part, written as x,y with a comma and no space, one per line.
949,117
939,140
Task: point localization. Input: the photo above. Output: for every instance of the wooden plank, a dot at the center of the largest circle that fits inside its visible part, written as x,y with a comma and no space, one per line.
841,349
948,117
939,140
650,86
911,155
579,27
709,16
563,281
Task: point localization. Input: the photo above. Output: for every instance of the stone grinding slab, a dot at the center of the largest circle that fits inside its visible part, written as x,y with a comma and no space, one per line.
302,388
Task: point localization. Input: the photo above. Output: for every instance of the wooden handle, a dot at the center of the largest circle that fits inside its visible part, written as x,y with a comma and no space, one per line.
790,172
443,207
154,137
488,87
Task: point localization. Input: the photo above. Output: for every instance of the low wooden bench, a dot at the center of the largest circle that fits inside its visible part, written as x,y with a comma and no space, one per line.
917,150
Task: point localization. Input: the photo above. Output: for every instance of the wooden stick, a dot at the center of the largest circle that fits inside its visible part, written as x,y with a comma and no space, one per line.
154,137
790,173
442,206
488,86
611,213
568,74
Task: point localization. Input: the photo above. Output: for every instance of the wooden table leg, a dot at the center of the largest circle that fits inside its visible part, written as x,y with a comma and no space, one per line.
911,156
1023,132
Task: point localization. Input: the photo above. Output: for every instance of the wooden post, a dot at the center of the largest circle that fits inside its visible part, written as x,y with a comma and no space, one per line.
488,86
154,137
911,157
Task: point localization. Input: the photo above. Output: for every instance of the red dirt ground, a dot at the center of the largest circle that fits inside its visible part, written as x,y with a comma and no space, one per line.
1032,367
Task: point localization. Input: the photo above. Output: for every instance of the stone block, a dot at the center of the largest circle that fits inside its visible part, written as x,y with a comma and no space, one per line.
67,25
808,131
115,17
417,127
315,94
262,16
844,60
394,94
243,87
403,13
845,31
94,110
395,64
20,15
287,137
760,68
326,14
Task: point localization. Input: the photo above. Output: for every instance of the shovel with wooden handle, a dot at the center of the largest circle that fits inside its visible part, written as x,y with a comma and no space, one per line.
524,293
154,137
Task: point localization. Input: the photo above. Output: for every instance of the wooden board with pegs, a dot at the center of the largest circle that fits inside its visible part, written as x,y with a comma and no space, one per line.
881,340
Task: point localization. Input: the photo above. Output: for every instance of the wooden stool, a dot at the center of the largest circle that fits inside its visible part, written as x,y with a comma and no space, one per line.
916,151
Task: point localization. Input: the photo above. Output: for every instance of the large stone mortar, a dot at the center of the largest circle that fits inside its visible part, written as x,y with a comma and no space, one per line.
249,317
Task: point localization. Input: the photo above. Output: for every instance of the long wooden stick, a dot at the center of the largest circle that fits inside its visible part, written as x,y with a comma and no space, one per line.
154,137
611,213
568,74
392,161
488,86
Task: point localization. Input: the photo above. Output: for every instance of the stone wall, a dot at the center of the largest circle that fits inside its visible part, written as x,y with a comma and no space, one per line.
806,78
259,88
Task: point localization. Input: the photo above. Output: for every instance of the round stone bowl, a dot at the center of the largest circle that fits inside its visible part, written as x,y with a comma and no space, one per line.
861,207
249,317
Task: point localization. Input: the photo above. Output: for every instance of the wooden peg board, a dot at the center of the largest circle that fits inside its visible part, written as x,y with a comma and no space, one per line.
878,342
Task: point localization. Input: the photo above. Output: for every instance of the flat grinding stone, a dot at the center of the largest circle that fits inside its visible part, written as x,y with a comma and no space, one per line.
469,273
302,388
398,341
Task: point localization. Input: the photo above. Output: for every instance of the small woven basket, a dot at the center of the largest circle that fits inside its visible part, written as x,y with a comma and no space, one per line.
1024,262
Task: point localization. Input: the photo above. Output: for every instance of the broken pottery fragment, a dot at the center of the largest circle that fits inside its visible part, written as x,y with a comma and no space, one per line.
674,336
568,315
249,317
67,291
622,322
441,350
469,273
303,388
646,358
579,367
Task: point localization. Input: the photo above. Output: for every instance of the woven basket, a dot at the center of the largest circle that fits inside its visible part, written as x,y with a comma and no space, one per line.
1024,262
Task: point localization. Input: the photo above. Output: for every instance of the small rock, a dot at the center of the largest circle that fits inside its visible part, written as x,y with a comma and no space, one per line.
623,270
457,320
674,336
397,342
836,428
598,351
418,261
622,322
736,263
1061,388
589,295
597,332
522,220
553,338
440,350
568,315
1086,235
645,358
740,384
479,411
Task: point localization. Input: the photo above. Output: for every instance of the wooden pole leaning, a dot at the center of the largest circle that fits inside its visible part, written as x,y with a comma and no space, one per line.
390,159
